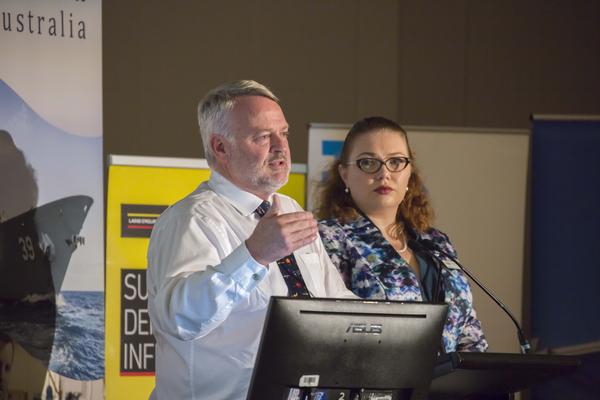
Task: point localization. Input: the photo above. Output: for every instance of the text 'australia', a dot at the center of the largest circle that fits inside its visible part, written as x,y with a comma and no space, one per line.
60,25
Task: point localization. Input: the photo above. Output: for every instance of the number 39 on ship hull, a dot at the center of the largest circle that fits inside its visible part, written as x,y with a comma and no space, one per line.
36,247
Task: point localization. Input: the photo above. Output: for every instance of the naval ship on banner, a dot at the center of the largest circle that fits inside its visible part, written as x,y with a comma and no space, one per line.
36,247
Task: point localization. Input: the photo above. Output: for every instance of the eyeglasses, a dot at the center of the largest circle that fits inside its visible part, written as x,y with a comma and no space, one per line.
373,165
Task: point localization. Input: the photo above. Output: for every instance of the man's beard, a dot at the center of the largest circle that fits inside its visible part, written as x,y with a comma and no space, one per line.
270,183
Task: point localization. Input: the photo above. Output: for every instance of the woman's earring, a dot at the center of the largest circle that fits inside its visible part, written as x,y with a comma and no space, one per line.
347,191
407,188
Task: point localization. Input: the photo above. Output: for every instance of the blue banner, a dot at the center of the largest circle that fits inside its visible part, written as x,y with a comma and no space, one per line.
566,239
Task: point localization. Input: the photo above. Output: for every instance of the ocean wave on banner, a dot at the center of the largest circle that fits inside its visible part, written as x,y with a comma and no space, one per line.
31,324
78,351
67,335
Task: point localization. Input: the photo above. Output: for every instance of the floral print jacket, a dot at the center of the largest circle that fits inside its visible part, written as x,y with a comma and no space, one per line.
373,269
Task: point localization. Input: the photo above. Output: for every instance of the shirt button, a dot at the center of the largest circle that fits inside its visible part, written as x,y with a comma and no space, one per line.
255,277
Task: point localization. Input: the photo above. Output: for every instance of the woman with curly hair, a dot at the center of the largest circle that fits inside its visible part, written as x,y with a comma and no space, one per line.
375,222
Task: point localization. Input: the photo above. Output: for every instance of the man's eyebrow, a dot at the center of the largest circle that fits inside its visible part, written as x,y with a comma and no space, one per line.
264,130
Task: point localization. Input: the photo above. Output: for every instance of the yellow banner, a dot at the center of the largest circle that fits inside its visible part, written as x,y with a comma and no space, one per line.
136,197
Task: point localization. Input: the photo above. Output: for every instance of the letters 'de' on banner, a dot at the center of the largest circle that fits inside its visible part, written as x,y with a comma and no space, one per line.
139,190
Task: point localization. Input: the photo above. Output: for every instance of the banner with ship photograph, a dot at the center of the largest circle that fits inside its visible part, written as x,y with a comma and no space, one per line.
51,212
139,190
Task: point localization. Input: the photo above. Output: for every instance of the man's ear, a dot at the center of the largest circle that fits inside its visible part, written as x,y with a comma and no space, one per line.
219,147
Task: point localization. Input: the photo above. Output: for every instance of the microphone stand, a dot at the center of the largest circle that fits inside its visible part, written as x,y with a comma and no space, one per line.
524,343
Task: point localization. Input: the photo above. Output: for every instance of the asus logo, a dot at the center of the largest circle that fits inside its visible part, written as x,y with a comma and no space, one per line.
375,329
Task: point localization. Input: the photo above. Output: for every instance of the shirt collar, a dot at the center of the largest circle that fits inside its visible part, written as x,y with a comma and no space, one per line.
245,202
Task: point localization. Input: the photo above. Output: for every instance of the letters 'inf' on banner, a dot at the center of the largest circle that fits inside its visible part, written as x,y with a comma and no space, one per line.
139,190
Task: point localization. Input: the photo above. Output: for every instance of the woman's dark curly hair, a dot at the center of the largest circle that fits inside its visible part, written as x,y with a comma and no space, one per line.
415,210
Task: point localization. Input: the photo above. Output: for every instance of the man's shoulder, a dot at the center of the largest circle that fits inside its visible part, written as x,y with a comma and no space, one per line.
288,203
202,202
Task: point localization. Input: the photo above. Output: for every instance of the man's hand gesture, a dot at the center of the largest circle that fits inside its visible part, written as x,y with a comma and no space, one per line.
278,235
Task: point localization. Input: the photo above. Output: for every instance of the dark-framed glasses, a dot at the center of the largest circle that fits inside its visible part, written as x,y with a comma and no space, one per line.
373,165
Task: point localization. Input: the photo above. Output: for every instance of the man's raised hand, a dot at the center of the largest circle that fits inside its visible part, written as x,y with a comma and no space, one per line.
277,235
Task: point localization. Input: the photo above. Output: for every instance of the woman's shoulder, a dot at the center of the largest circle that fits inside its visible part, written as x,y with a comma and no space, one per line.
336,222
439,239
329,222
330,226
341,224
435,235
339,228
332,235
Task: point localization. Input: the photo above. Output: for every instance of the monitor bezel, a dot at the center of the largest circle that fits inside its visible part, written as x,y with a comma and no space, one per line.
409,366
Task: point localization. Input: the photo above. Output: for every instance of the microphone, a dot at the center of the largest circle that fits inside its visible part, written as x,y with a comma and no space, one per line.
438,294
430,245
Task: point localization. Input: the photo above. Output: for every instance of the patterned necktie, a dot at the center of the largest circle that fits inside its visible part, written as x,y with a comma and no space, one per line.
287,265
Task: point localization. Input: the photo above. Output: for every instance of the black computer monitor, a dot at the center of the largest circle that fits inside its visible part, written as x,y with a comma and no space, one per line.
351,344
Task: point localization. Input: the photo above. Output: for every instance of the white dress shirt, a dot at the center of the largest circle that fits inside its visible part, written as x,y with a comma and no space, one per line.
208,297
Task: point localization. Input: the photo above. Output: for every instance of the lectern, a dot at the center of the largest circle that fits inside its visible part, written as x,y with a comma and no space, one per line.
494,375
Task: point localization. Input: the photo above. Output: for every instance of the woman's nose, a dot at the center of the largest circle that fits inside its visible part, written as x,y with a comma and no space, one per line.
383,172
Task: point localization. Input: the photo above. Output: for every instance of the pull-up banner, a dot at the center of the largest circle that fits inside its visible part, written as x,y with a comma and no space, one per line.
565,235
51,201
139,190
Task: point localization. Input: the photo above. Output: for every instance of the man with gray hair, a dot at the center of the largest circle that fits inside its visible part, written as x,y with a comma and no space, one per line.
218,255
